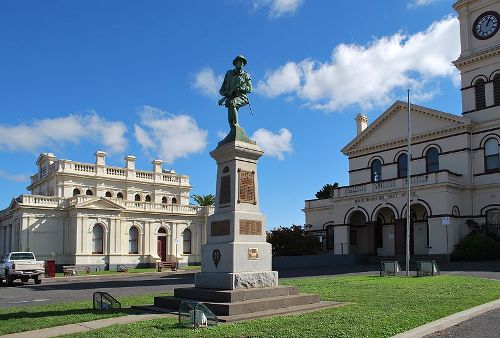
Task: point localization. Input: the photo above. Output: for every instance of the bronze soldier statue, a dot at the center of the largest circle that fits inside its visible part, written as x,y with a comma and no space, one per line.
237,84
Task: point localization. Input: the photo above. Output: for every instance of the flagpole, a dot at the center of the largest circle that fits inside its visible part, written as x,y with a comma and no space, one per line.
408,186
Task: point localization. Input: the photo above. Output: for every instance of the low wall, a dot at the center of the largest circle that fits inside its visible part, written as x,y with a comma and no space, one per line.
315,261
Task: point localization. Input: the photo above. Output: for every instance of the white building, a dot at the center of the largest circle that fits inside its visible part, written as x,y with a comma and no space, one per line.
455,165
100,216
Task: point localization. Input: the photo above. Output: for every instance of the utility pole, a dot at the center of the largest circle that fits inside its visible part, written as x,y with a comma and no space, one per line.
408,186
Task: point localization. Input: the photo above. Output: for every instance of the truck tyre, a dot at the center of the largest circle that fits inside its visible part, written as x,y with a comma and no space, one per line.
25,279
38,280
10,280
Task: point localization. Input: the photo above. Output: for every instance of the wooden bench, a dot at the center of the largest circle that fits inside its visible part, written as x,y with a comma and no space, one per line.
71,270
170,262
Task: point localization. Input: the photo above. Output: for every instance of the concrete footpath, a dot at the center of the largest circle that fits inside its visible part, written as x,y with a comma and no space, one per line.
83,327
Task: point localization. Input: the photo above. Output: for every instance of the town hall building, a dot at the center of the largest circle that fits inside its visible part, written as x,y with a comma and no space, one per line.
455,165
92,214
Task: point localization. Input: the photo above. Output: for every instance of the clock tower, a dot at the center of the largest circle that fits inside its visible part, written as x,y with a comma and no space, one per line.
479,61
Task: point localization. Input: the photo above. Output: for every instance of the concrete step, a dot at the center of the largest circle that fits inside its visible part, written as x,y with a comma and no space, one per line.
244,306
228,296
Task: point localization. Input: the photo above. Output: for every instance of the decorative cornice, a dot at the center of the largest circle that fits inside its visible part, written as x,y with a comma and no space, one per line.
481,55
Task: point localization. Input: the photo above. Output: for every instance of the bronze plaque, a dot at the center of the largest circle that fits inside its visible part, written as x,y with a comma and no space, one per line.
220,228
248,227
225,190
253,254
246,186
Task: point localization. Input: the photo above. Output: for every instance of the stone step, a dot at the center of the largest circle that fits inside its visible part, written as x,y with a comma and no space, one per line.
227,296
245,306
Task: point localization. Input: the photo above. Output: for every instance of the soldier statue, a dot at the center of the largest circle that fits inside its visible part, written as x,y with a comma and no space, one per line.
237,84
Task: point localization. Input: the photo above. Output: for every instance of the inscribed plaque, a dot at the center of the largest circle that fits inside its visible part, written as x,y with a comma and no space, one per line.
253,254
225,190
248,227
246,186
220,228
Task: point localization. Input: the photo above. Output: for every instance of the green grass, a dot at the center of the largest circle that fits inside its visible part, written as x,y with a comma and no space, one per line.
382,307
19,319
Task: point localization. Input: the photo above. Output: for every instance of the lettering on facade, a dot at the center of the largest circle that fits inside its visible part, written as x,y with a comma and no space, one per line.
382,197
225,190
253,254
246,186
248,227
220,228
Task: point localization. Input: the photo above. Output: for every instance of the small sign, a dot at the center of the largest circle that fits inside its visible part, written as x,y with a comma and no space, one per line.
445,220
253,254
176,241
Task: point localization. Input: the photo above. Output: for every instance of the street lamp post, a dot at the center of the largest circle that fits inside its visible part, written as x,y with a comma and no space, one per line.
408,186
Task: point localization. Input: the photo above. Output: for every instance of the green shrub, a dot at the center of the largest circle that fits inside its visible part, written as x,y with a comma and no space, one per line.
476,246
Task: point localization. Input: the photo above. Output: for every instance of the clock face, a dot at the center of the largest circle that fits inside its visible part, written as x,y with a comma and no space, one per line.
486,25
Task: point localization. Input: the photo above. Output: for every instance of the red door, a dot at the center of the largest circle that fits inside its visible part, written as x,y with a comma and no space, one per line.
162,248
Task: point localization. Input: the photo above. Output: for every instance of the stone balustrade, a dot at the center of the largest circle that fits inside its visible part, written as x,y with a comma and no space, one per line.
440,177
86,169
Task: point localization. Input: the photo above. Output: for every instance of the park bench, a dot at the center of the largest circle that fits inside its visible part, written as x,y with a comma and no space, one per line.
390,268
71,270
170,262
427,267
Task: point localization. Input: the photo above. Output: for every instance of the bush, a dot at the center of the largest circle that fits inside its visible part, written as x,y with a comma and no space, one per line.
293,241
476,246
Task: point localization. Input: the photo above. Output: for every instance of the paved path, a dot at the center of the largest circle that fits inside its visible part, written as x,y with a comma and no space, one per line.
486,325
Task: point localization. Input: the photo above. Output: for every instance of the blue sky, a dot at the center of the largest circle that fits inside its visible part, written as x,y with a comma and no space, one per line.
141,78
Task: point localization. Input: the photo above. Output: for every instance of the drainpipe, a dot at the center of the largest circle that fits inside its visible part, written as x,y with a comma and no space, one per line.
471,172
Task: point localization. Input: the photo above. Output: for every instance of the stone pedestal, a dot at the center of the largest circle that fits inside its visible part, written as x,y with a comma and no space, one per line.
236,255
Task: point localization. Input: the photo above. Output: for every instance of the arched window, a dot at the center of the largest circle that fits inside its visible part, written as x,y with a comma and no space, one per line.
491,157
480,95
376,170
162,231
186,241
88,192
496,89
76,192
108,194
493,221
432,160
164,200
97,239
119,195
147,198
402,165
133,241
174,200
137,198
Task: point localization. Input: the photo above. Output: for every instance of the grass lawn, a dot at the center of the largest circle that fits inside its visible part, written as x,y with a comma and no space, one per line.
383,306
105,272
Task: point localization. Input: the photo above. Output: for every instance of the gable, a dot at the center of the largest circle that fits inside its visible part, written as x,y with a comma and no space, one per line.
392,126
97,203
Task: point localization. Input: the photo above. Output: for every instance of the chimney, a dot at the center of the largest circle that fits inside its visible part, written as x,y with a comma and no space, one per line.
157,166
100,157
361,123
130,162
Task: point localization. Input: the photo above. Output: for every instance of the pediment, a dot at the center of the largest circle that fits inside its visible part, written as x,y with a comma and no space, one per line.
391,127
98,203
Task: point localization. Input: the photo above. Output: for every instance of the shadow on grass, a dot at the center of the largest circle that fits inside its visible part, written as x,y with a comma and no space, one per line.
68,312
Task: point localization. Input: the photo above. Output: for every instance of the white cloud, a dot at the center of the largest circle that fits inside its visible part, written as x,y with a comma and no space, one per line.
169,136
275,145
207,82
278,8
368,75
419,3
13,177
58,131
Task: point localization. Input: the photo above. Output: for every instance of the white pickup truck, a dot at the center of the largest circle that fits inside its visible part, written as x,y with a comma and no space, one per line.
21,265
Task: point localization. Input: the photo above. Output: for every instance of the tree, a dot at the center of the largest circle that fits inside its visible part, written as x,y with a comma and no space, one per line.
204,200
326,191
293,241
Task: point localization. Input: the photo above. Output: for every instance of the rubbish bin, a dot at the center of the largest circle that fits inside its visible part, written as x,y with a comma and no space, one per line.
50,269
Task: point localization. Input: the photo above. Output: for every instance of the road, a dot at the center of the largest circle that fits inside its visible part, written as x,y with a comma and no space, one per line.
486,325
56,290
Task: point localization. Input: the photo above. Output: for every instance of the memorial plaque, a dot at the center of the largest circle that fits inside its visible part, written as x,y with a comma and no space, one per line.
220,228
253,254
248,227
225,190
246,186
